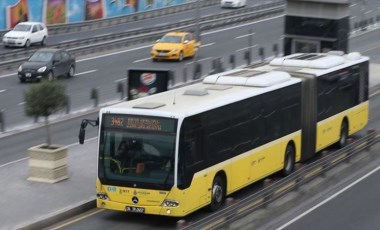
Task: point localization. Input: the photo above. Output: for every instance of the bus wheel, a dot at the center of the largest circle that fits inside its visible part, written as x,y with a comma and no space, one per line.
218,193
343,135
289,161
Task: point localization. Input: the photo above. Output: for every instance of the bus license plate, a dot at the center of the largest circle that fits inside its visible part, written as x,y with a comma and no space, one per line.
135,209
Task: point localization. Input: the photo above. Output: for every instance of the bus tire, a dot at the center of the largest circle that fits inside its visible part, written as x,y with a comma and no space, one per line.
289,160
343,135
218,193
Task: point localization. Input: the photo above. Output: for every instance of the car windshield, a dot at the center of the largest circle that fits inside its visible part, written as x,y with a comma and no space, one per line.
21,27
171,39
41,56
137,155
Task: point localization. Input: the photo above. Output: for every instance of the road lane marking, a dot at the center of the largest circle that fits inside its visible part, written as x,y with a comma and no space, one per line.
242,25
329,198
245,35
374,93
246,48
96,211
2,90
111,54
86,72
21,103
122,79
140,60
26,158
8,75
208,44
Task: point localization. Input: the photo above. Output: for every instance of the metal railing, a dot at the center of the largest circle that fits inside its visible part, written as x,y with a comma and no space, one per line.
102,23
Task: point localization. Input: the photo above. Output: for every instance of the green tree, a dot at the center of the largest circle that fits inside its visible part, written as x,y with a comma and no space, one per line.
45,99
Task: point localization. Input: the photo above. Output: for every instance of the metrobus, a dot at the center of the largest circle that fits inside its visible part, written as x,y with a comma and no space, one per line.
190,147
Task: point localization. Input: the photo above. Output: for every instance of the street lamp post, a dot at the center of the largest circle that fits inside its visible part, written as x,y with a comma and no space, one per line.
198,38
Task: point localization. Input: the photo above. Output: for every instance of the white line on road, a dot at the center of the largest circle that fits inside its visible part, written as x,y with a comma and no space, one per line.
123,79
246,48
21,103
12,162
245,35
144,59
114,53
2,90
208,44
8,75
242,25
86,72
26,158
329,198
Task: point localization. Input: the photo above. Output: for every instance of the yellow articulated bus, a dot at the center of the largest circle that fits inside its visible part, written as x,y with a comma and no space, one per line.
175,152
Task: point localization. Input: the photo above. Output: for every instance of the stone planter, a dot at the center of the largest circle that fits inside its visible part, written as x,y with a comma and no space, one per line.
47,164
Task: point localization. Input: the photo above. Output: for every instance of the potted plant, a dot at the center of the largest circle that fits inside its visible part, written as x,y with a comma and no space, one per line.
47,162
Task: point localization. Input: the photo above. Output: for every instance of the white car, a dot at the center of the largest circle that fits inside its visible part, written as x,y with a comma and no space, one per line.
232,3
25,34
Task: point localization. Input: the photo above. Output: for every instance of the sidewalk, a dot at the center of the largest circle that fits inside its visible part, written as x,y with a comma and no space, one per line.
30,205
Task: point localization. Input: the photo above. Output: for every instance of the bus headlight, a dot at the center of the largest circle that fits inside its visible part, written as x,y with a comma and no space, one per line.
170,203
102,196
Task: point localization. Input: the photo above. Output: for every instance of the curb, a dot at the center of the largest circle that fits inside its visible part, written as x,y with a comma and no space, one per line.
69,212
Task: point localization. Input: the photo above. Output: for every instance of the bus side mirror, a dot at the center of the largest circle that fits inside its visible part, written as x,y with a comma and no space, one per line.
82,134
82,131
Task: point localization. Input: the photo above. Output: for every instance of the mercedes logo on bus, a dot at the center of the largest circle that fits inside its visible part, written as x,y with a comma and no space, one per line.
135,200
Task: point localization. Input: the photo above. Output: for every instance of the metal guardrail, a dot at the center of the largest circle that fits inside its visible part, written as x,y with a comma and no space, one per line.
102,23
292,182
95,44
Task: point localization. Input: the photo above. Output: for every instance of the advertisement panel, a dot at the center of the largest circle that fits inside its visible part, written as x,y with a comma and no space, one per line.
17,13
144,82
55,11
94,9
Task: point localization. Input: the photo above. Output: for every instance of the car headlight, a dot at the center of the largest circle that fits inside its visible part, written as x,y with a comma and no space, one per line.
20,68
42,69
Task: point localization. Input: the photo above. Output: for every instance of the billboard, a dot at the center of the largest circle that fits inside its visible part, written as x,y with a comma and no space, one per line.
144,82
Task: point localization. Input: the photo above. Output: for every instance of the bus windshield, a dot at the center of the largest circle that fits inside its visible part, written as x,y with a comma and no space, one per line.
137,153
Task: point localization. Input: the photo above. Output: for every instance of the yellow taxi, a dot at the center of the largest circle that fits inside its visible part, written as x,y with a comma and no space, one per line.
175,46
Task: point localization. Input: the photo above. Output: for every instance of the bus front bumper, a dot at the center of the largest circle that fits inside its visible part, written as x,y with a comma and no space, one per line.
152,210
